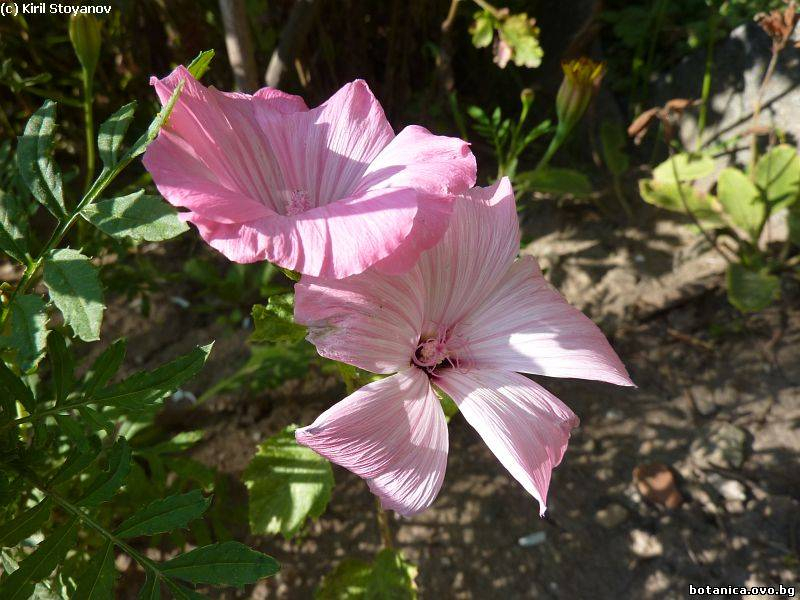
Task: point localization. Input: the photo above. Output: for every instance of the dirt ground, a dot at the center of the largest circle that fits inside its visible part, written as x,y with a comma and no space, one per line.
717,403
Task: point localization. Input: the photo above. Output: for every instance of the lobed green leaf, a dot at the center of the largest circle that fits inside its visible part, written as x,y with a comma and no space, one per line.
106,484
12,236
287,484
275,321
28,334
62,365
105,367
25,525
136,216
97,581
35,159
74,286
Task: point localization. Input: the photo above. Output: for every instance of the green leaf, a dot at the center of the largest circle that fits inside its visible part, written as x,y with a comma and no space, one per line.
147,387
275,321
106,484
151,590
12,236
28,333
165,514
63,366
348,581
750,290
77,461
74,286
200,64
777,175
97,581
551,180
688,167
522,35
105,367
482,29
35,159
37,566
226,563
670,197
287,484
160,120
73,429
181,592
14,389
112,133
614,140
25,525
391,577
741,200
136,216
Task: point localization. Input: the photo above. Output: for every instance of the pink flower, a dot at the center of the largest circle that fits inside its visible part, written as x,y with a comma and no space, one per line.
463,320
328,191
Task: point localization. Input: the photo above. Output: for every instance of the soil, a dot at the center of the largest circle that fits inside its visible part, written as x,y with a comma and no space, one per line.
717,403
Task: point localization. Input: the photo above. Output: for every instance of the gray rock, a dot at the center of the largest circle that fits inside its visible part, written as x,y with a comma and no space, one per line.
740,62
721,445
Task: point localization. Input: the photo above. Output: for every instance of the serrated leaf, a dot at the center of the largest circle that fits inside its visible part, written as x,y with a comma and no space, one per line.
165,514
28,334
287,484
552,180
156,124
275,322
348,581
96,420
77,461
62,365
201,64
147,387
14,389
670,197
73,430
97,581
741,200
12,236
614,140
136,216
74,286
35,159
750,290
151,590
225,563
688,166
25,525
37,566
105,367
106,484
392,577
777,175
112,133
181,592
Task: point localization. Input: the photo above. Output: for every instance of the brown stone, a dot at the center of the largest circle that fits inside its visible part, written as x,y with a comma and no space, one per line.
656,483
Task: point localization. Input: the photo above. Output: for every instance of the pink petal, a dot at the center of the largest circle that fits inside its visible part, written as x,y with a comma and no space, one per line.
281,101
393,434
473,255
333,241
212,157
524,425
416,158
370,320
325,151
525,325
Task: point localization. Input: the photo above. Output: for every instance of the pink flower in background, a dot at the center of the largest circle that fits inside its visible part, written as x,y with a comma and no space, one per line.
465,319
328,191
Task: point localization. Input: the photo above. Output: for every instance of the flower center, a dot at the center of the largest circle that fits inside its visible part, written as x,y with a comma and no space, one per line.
440,349
430,353
299,202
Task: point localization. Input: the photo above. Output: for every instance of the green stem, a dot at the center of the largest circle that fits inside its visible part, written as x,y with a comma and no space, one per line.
555,144
383,525
773,61
489,8
88,100
76,512
706,91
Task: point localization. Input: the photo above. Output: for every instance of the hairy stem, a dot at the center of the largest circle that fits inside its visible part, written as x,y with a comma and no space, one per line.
88,117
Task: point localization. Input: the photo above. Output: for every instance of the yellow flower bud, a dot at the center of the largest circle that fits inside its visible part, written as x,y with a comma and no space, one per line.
582,77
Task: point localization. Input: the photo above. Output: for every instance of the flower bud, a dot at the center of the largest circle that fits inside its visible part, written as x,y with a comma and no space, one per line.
84,33
582,77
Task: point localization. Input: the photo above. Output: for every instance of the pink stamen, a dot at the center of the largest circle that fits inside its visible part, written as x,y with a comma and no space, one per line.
298,203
